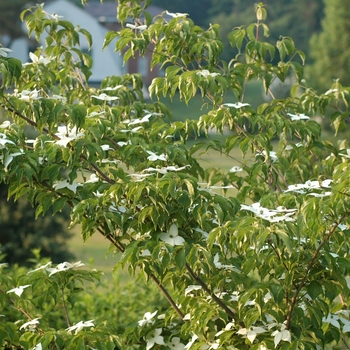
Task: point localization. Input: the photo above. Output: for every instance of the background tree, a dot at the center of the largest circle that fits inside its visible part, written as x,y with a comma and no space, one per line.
11,26
296,18
330,48
20,232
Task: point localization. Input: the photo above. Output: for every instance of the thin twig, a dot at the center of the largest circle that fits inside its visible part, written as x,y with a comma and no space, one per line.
167,296
65,308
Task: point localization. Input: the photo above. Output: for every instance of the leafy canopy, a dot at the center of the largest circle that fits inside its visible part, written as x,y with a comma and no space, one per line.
251,258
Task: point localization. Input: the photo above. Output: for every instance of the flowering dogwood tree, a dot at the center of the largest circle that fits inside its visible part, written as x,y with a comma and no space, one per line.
256,257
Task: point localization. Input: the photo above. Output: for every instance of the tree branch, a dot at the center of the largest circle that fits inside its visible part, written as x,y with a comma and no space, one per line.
212,295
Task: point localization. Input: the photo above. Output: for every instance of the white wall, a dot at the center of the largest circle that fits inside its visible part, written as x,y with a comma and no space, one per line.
106,62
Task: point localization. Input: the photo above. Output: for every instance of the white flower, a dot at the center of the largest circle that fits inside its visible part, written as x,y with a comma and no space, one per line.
144,119
251,332
218,264
64,267
147,318
290,147
9,158
18,290
172,236
42,267
164,170
92,179
332,319
65,184
37,60
105,97
283,334
4,141
146,252
236,105
38,347
270,215
56,17
6,124
228,327
123,143
175,344
191,342
31,325
234,296
79,326
235,169
298,116
27,95
134,130
3,265
343,227
205,73
176,15
190,288
137,27
120,209
272,155
4,51
258,210
67,134
309,185
342,155
153,157
155,339
106,147
187,317
215,345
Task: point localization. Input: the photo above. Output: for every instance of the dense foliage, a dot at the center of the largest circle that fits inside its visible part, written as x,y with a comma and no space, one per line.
256,257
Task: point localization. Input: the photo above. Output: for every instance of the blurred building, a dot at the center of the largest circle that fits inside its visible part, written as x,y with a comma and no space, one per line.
98,19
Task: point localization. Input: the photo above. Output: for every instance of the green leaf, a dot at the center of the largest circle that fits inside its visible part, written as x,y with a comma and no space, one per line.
285,238
110,36
58,204
251,31
180,258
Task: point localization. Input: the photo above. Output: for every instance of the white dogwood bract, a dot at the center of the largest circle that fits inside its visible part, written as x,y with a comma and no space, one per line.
147,318
80,326
30,325
172,236
18,290
251,333
155,338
